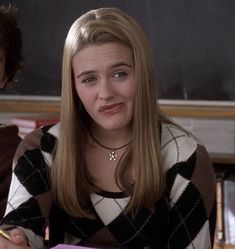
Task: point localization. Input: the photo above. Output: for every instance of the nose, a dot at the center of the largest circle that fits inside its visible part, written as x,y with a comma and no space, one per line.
105,89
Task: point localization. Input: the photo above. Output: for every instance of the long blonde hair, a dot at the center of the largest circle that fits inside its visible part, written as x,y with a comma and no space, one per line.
71,182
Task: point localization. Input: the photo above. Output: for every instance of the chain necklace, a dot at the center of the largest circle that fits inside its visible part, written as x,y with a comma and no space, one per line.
112,151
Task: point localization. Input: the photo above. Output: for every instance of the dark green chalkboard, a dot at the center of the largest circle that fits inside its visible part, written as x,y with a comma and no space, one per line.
193,43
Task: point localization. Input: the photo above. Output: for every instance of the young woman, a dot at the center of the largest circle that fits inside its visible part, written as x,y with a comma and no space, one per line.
113,172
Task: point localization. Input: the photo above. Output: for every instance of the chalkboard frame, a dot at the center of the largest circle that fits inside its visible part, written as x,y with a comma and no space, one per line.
172,108
150,14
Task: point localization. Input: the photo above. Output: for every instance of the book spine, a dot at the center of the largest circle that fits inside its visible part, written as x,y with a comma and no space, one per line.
229,211
33,123
219,234
25,130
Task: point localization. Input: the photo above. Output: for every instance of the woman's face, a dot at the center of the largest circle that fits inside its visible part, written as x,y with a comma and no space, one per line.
3,77
105,84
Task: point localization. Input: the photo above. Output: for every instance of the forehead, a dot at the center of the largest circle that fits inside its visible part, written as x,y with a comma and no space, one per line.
97,54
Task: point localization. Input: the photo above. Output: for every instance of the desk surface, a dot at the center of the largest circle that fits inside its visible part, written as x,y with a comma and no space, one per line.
228,159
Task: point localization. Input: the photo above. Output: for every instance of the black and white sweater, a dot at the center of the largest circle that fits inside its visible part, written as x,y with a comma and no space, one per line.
183,218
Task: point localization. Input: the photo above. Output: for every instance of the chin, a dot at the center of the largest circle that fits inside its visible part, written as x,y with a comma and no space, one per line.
114,123
116,126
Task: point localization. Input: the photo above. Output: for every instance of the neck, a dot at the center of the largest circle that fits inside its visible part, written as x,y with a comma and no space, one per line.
111,138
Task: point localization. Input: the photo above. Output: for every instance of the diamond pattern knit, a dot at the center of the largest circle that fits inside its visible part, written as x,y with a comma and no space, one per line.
183,218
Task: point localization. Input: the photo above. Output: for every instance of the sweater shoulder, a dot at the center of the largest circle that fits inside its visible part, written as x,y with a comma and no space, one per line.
42,140
177,144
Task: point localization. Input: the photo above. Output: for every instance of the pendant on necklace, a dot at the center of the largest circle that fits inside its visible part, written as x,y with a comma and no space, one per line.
112,155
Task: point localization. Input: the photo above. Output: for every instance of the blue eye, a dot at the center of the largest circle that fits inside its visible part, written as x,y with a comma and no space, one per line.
119,75
89,79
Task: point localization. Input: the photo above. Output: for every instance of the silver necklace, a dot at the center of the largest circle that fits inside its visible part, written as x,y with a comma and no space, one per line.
112,151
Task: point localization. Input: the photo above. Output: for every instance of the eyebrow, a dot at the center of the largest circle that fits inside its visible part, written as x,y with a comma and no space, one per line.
119,64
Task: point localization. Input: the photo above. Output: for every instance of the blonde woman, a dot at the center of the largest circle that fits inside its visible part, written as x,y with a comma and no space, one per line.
113,172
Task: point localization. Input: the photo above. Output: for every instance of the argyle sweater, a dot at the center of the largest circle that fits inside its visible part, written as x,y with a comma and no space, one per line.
183,218
9,141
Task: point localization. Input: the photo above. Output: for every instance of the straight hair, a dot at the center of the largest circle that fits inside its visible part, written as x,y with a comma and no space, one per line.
71,181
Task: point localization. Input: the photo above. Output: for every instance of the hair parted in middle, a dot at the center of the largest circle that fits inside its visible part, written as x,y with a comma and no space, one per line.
71,182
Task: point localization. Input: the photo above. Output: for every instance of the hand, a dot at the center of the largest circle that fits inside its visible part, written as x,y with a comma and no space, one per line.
17,240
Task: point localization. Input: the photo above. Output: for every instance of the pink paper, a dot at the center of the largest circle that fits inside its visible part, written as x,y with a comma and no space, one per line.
64,246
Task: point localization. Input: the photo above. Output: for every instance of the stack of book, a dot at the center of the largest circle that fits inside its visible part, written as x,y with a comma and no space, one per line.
27,124
225,226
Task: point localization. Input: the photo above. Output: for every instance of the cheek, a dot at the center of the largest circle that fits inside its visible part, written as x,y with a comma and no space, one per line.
130,91
85,96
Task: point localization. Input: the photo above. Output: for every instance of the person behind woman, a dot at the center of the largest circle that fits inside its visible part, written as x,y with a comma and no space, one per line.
10,63
114,172
10,45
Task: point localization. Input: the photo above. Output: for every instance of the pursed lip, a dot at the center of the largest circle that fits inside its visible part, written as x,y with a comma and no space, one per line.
110,108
